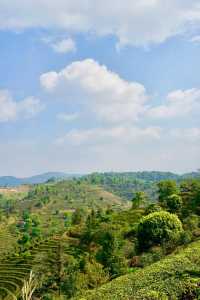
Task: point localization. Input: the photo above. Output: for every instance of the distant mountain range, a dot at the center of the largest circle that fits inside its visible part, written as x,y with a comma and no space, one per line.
10,181
149,176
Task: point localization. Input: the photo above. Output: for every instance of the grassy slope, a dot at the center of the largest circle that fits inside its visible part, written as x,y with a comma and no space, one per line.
70,195
170,278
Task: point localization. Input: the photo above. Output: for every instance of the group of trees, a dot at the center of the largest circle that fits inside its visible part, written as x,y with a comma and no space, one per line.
163,220
29,228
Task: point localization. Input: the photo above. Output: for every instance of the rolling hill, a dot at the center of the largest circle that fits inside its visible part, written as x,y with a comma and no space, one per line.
125,184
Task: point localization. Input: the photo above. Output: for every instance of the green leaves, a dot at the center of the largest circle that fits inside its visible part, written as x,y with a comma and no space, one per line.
158,228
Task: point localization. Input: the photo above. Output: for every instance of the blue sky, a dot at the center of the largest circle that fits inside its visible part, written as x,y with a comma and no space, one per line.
94,88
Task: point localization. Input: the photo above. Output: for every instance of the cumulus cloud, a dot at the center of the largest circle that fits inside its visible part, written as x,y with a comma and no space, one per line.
120,106
11,110
178,103
117,121
106,94
132,22
114,100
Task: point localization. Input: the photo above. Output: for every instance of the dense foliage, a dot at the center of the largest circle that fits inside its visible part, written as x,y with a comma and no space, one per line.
176,277
158,228
76,239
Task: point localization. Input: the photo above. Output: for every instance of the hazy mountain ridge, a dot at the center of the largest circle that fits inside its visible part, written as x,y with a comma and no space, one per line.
41,178
155,176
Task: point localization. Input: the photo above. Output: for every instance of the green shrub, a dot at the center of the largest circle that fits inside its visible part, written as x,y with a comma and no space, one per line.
155,254
174,203
191,222
158,228
186,237
166,188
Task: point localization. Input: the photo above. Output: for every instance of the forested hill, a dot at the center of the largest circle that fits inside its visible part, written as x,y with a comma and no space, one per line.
126,184
153,176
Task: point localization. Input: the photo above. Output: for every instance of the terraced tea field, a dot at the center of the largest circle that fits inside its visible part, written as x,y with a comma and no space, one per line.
7,241
14,270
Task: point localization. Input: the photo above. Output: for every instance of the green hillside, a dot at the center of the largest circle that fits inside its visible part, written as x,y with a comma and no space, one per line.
71,194
34,224
175,277
127,183
73,239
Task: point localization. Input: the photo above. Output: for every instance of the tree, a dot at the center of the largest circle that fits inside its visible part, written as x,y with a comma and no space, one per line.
110,254
138,199
73,281
78,216
190,193
158,228
166,188
174,203
89,230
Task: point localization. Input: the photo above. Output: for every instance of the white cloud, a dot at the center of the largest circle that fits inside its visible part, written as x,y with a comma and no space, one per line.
132,22
29,107
178,103
67,117
49,80
100,136
104,93
195,39
64,46
8,108
112,99
11,110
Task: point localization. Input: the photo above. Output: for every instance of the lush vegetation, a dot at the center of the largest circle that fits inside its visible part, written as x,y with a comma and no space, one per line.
79,239
127,184
175,277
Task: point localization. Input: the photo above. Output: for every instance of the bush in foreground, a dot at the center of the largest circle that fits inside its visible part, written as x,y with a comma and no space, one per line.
158,228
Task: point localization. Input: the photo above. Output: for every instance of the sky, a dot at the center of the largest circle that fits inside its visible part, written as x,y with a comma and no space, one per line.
90,86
